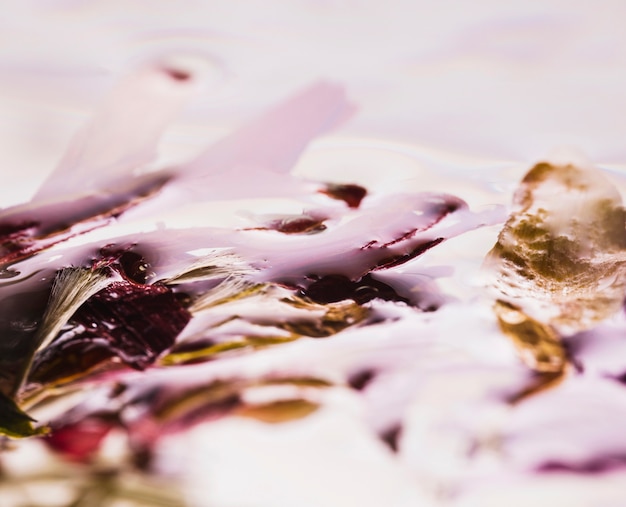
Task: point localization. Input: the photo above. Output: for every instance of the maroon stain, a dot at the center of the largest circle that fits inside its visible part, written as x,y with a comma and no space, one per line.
351,194
27,231
133,322
335,288
595,465
299,225
20,316
131,265
397,260
391,436
79,441
361,379
177,74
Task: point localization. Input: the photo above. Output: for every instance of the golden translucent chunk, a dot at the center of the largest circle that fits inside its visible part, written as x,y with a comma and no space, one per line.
561,254
538,345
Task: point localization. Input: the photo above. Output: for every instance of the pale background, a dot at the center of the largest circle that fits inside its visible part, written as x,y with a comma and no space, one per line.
490,79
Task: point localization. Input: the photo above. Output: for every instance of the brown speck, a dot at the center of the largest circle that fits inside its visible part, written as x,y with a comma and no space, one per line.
391,436
178,74
361,379
351,194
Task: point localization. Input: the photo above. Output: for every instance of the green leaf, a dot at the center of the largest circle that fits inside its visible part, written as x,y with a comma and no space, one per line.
14,423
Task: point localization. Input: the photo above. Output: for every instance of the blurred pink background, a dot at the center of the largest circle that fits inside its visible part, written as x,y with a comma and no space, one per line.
490,79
